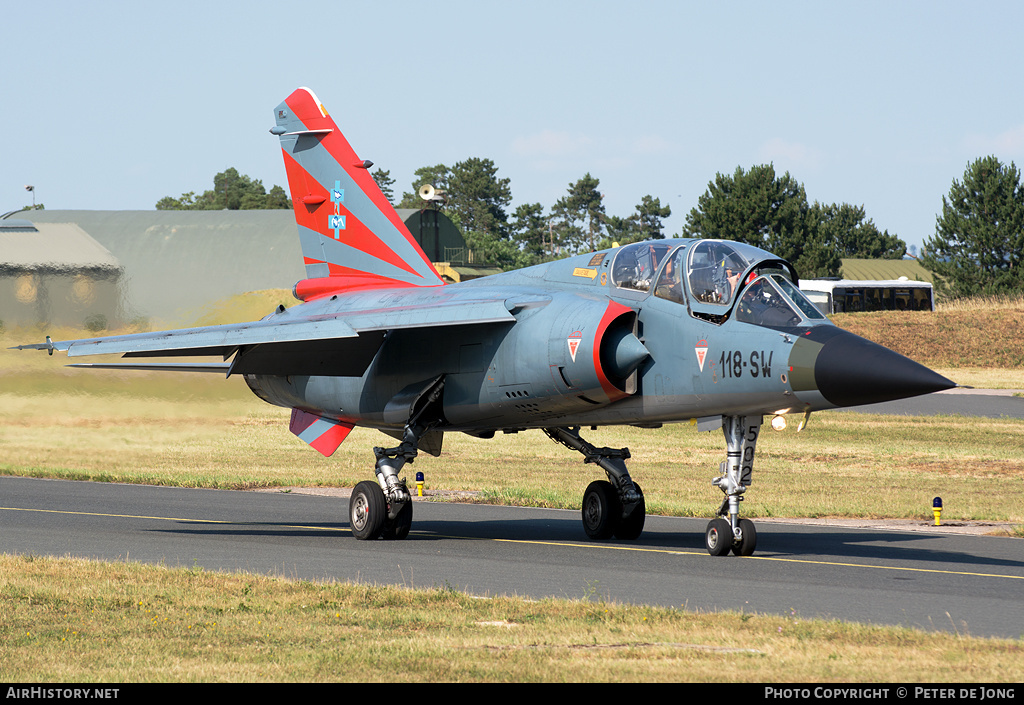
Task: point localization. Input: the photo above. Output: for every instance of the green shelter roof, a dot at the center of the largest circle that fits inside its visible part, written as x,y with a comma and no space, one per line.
885,269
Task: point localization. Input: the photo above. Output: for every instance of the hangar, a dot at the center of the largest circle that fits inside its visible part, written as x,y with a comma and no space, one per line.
56,274
174,262
444,244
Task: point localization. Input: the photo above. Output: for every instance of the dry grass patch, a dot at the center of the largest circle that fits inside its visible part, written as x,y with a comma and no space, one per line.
975,468
983,303
949,338
71,620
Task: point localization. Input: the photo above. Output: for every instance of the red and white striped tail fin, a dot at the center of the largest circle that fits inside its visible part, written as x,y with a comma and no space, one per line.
350,234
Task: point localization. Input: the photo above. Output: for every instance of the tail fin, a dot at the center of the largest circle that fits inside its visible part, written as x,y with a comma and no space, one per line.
348,230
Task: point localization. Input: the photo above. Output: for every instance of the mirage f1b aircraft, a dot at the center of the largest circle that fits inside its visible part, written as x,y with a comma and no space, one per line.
646,334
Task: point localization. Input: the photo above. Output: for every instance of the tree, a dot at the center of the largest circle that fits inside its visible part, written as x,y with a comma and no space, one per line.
845,228
978,247
644,224
766,211
384,183
479,198
474,195
496,250
436,176
529,229
580,215
231,191
277,199
649,213
185,202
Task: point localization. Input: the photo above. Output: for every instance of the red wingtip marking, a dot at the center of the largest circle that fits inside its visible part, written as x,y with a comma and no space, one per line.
329,440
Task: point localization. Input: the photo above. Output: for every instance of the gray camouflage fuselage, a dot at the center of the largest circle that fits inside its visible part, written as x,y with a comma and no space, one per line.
520,372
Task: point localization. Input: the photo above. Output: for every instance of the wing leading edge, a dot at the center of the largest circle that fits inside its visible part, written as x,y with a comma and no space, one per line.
339,344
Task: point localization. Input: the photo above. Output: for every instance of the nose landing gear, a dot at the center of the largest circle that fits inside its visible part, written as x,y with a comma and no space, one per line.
728,532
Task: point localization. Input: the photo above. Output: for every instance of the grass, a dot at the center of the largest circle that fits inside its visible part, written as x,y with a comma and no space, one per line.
956,337
71,620
984,377
982,303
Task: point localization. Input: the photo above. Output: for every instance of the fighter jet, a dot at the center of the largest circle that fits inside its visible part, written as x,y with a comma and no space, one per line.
650,333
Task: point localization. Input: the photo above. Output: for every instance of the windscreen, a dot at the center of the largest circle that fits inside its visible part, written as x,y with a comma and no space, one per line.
796,296
764,305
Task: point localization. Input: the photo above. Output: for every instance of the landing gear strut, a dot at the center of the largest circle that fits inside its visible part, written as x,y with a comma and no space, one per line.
612,507
384,508
728,532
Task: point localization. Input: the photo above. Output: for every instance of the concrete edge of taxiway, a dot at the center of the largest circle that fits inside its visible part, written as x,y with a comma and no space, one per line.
989,392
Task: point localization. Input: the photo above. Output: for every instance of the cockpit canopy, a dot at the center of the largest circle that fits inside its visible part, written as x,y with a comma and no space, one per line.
635,265
714,269
717,279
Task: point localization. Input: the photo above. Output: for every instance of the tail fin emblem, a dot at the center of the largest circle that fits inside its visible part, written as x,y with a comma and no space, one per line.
337,221
361,241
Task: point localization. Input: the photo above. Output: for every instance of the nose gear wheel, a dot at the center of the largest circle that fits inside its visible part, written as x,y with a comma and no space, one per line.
728,532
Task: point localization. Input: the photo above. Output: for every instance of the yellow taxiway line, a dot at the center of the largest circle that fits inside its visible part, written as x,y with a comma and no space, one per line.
562,544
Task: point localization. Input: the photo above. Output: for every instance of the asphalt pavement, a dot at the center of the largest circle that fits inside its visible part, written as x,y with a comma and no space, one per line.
990,403
934,581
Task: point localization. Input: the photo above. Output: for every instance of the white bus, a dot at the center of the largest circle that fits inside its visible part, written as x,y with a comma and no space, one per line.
854,295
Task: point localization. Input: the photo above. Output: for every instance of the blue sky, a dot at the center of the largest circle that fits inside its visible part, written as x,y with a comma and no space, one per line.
111,105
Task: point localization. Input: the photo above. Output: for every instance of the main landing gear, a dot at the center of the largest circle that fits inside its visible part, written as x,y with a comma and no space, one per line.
728,532
613,507
383,509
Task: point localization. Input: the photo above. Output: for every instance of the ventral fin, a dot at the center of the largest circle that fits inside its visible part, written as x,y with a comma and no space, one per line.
324,435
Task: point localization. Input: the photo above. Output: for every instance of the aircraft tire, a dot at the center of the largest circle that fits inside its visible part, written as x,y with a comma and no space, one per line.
367,511
630,528
747,544
399,528
601,510
718,537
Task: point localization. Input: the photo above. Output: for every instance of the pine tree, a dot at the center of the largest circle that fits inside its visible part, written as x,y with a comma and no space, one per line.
978,247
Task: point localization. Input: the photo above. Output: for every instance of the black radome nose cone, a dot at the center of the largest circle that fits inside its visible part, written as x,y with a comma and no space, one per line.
850,371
